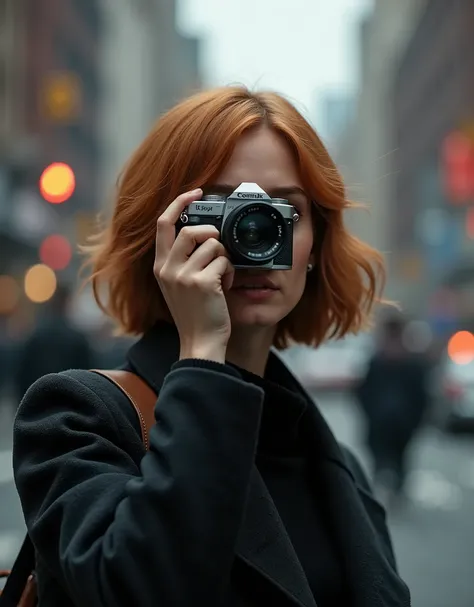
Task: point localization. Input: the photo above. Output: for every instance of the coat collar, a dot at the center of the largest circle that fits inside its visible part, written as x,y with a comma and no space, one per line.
155,353
263,543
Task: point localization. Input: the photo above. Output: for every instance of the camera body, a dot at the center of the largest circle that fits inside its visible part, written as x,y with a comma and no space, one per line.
255,229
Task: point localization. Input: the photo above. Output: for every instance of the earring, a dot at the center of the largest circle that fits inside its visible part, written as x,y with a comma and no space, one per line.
309,267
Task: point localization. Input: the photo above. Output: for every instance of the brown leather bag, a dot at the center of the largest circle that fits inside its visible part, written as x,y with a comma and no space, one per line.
20,589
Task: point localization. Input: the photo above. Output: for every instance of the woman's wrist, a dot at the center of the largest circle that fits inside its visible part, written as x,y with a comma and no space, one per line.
212,352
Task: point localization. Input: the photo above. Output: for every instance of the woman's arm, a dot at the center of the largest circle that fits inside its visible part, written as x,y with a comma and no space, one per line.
117,534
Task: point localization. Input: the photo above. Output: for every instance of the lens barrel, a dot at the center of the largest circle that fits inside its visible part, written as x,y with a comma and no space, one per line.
254,233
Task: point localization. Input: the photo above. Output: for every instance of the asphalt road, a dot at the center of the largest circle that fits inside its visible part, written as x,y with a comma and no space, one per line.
433,534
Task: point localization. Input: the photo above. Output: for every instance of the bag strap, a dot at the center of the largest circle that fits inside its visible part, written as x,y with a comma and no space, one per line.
17,587
140,395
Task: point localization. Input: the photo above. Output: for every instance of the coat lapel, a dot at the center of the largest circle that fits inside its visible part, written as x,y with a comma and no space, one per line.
264,544
372,579
370,571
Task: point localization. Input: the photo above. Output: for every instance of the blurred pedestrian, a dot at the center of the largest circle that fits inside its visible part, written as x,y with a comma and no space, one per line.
54,345
394,396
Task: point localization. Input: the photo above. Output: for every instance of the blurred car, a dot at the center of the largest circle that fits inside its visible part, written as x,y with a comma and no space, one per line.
337,365
454,396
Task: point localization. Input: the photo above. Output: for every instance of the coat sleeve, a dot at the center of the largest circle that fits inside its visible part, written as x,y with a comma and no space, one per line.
113,532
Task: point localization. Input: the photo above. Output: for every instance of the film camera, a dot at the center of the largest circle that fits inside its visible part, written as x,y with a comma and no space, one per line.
256,230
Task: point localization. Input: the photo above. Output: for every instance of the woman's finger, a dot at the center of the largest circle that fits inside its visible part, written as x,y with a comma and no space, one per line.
220,269
187,240
165,226
204,254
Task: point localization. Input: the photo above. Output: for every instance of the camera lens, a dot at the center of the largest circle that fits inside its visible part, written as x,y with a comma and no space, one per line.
255,230
254,233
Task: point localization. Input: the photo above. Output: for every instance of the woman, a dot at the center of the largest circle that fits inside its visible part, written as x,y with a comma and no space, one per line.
244,497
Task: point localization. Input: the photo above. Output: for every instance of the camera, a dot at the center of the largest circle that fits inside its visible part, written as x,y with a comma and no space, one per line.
255,229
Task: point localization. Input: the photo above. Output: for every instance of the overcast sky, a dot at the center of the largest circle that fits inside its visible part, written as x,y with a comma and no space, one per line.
297,47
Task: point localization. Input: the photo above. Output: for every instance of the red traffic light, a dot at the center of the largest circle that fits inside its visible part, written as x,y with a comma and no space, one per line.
57,183
55,252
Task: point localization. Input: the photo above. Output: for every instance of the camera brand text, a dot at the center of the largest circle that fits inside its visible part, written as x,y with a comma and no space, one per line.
253,196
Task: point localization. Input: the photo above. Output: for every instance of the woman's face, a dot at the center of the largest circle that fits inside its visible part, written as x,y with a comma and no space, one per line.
263,157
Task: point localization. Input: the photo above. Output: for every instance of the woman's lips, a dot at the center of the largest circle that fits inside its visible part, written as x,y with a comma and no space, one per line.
255,292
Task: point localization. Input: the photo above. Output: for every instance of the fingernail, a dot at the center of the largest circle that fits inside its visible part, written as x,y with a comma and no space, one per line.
196,191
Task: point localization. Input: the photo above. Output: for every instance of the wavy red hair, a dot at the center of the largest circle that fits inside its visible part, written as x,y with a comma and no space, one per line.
187,148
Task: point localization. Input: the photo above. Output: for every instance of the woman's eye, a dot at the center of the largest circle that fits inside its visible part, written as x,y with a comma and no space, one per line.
299,204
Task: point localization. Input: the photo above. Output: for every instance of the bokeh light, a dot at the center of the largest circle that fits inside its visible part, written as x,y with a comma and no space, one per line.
57,183
40,283
461,347
55,252
9,294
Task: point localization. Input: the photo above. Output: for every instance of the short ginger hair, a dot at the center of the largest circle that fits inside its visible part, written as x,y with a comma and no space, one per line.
186,149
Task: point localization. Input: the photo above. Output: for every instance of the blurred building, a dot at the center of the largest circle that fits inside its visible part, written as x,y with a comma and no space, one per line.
11,84
432,203
337,108
147,66
177,56
365,151
11,95
49,93
81,82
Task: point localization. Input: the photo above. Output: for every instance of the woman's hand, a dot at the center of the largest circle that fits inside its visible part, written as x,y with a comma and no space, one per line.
193,272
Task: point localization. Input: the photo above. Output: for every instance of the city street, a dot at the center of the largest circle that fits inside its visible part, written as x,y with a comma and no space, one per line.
433,535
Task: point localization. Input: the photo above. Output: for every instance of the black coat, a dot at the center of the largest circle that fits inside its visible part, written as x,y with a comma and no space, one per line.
191,522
